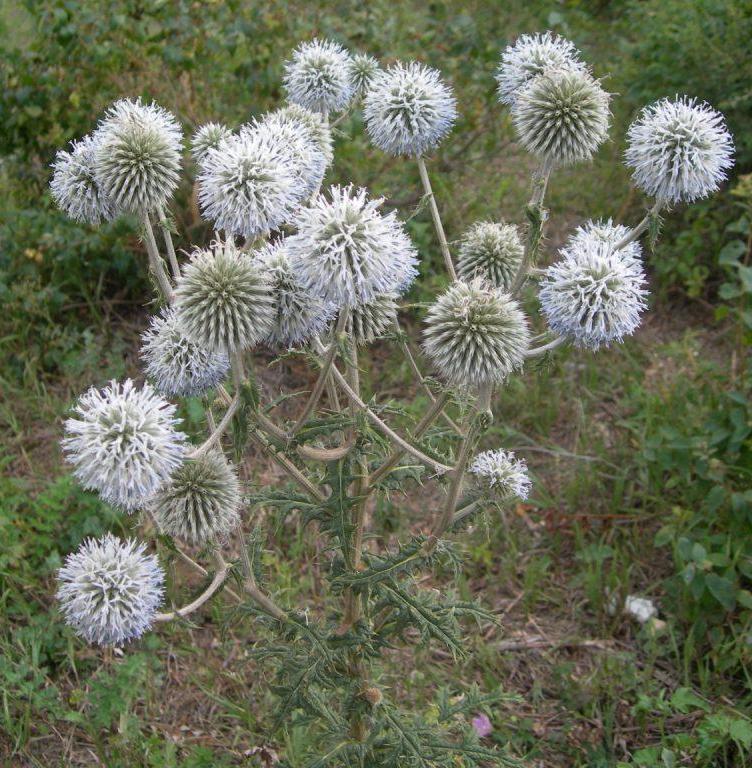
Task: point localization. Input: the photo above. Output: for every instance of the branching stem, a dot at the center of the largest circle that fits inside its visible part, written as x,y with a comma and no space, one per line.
155,261
438,226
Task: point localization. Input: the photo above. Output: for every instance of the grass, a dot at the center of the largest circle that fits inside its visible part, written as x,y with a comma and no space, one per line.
622,459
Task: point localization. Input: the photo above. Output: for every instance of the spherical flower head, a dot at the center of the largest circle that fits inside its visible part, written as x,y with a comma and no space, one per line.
110,590
307,161
208,136
137,158
562,116
310,123
202,501
500,475
530,56
363,67
299,314
178,366
475,335
373,319
679,150
408,109
247,185
593,294
605,231
223,300
73,186
347,252
490,250
123,443
318,76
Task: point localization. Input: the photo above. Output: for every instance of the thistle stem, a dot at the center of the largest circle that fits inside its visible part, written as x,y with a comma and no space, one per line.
220,575
637,231
155,261
438,226
251,587
167,235
537,351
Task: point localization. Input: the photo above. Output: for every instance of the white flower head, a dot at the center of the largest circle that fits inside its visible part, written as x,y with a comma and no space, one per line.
373,319
501,475
491,250
201,502
408,109
562,116
208,136
138,154
307,161
223,299
177,365
529,57
73,186
347,252
110,590
363,67
318,76
310,123
593,295
123,443
299,314
679,150
605,231
247,185
475,334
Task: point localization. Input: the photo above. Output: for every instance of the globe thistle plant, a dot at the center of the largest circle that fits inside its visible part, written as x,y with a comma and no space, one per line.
319,76
310,123
562,116
177,365
605,231
530,56
373,319
408,109
363,68
138,154
347,252
110,590
679,150
223,299
123,443
501,476
201,502
593,295
208,136
492,251
73,186
475,335
299,314
248,186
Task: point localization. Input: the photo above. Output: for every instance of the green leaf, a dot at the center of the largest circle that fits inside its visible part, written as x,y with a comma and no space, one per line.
730,253
722,589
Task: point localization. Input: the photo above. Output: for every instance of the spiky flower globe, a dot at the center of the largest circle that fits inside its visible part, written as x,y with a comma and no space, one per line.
605,231
408,109
308,162
363,67
679,150
202,501
208,136
248,186
223,299
490,250
299,314
562,116
318,76
178,366
73,186
347,252
475,335
500,475
530,56
110,590
123,443
373,319
593,295
138,154
310,123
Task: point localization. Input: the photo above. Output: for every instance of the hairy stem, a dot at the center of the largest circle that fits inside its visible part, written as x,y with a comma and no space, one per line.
438,226
251,587
167,235
155,261
637,231
220,575
537,351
